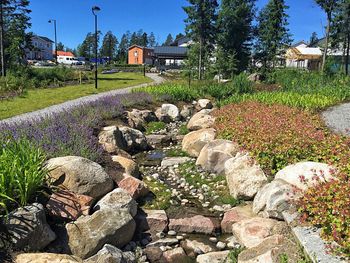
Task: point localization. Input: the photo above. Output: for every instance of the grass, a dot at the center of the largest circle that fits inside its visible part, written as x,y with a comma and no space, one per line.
41,98
154,127
162,195
176,152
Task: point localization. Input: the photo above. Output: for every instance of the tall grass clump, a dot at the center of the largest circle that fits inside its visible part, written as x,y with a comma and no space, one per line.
22,173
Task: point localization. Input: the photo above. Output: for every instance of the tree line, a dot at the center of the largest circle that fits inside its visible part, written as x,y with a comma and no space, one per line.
233,37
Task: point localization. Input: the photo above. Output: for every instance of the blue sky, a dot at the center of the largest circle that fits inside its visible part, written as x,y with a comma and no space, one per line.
75,20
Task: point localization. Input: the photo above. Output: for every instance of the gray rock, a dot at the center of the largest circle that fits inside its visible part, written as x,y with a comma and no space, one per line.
89,234
214,257
273,199
168,113
164,242
117,199
108,253
28,228
158,139
80,175
133,140
187,111
204,104
171,161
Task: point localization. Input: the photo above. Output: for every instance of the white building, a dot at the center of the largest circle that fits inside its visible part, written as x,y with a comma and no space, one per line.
42,48
302,56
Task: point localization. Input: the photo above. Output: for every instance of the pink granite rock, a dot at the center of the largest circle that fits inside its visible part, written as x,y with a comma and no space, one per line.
235,215
135,187
195,224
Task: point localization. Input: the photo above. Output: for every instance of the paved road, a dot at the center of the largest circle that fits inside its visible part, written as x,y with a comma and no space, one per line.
75,103
338,118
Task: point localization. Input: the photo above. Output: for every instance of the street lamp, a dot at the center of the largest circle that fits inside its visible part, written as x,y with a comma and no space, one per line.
95,10
54,23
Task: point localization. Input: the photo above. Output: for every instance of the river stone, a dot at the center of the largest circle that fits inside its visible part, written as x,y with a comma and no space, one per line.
80,175
194,142
171,161
273,199
158,139
153,254
46,258
244,177
204,104
187,111
68,206
130,166
201,120
168,113
309,170
115,200
214,257
196,247
196,224
252,232
108,254
214,155
137,119
235,215
135,187
28,228
174,255
164,242
89,234
134,141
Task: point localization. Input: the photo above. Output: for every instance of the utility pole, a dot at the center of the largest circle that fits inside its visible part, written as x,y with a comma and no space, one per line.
96,9
3,66
54,23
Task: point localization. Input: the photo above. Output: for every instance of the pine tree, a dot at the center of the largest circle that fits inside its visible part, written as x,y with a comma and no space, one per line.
60,46
87,48
177,37
14,21
273,33
169,40
201,27
236,31
144,40
109,46
124,44
329,6
313,39
151,40
340,33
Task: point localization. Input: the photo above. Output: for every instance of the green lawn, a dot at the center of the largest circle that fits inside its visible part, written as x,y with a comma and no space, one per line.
41,98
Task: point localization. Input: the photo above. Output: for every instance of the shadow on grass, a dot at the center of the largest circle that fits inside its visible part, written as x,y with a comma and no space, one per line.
114,79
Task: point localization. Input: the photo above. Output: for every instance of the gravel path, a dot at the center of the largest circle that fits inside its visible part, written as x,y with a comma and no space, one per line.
75,103
338,118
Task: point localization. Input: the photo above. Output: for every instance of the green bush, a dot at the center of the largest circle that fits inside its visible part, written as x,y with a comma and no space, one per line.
22,173
241,84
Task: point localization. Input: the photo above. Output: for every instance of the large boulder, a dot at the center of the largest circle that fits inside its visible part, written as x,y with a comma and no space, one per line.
244,177
168,113
46,258
115,200
80,176
193,247
131,168
133,140
111,139
137,119
68,206
153,221
305,174
196,224
235,215
204,104
28,228
201,120
89,234
214,257
273,199
135,187
109,254
252,232
194,141
214,155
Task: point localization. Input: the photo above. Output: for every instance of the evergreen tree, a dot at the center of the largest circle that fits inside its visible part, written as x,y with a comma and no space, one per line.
60,46
273,34
340,33
144,40
169,40
134,40
225,64
152,40
201,27
109,46
313,39
329,6
176,40
236,31
14,21
87,48
124,44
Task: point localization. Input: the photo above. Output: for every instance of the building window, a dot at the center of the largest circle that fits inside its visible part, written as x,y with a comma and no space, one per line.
136,53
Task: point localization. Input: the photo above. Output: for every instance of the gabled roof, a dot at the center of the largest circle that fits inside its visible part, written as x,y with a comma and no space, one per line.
140,47
64,53
170,50
299,43
44,38
302,53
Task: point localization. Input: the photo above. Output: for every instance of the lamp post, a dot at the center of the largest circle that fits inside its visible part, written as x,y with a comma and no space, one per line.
54,23
95,10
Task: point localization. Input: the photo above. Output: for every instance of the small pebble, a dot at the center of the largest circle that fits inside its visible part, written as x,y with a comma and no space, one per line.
221,245
213,239
172,233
